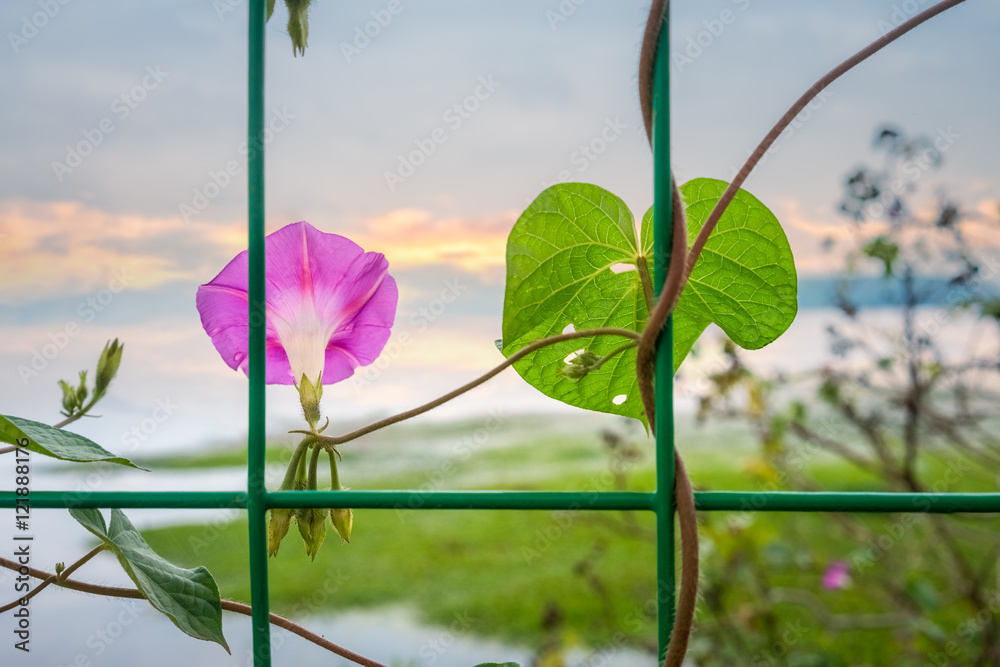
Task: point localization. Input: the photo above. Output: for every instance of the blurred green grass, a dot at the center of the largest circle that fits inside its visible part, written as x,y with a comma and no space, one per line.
508,570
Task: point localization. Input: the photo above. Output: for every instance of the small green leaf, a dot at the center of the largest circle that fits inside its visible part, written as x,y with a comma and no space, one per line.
189,598
499,664
57,443
560,255
745,279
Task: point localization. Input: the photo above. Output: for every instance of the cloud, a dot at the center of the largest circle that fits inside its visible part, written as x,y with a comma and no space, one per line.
66,248
414,238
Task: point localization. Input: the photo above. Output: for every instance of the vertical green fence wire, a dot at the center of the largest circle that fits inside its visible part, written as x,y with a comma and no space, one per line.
662,225
256,491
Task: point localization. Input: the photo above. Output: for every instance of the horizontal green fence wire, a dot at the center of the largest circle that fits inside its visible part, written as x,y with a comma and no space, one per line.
257,500
706,501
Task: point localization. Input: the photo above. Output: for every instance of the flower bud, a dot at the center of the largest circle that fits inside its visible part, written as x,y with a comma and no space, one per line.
277,528
312,528
343,521
81,391
309,396
107,365
579,366
69,402
298,24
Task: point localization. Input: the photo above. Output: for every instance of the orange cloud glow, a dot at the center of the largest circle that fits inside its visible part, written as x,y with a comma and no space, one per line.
411,238
67,248
49,249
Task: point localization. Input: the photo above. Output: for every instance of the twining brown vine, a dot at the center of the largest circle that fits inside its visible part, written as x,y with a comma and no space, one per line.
680,271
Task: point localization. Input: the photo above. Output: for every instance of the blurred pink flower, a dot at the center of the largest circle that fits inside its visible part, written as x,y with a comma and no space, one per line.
330,306
837,575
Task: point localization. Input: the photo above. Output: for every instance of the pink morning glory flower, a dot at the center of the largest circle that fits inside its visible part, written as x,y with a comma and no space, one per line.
330,306
837,575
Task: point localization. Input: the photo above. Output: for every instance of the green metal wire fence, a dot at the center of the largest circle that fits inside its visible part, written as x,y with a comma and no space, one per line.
256,500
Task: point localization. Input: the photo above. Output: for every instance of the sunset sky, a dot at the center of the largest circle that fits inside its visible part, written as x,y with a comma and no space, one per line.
122,166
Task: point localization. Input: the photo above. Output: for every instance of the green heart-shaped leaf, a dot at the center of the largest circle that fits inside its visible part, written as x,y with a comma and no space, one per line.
189,598
54,442
565,257
745,279
560,255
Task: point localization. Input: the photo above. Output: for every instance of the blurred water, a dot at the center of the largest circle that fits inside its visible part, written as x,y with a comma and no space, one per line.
73,629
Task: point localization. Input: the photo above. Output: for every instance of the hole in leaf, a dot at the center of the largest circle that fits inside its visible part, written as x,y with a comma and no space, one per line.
619,399
569,329
622,268
573,355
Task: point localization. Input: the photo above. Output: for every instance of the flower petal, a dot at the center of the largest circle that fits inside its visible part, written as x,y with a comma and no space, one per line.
366,334
300,258
224,316
329,304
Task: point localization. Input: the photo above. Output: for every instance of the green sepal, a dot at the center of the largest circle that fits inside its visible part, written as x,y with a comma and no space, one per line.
309,396
312,528
298,24
343,521
278,522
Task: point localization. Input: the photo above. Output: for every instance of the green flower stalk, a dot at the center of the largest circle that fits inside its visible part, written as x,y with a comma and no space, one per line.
312,522
74,400
341,517
280,518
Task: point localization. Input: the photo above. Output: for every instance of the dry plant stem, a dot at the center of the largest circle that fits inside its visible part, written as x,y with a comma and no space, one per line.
510,361
687,594
50,579
673,284
83,412
795,109
227,605
70,420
